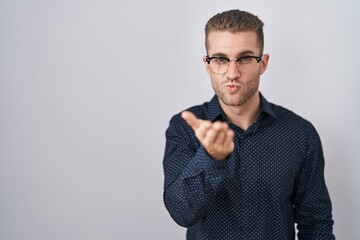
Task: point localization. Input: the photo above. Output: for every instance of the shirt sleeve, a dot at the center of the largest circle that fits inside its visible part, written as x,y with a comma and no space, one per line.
191,175
312,202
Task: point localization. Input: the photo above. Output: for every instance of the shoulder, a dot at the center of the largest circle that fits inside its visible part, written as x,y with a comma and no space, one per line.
292,126
290,119
285,118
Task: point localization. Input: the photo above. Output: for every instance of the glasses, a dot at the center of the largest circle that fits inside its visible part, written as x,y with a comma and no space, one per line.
220,65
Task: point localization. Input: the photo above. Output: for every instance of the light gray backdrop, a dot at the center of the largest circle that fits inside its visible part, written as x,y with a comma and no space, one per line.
87,89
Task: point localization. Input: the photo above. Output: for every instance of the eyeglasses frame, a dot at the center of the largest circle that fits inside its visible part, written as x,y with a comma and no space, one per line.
208,59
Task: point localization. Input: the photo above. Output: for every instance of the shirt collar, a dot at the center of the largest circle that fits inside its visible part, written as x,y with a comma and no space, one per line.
266,107
215,111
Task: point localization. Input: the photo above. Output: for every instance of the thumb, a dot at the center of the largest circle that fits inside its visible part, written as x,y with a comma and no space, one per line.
190,119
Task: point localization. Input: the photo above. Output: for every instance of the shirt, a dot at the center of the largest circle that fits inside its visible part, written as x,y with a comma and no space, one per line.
273,179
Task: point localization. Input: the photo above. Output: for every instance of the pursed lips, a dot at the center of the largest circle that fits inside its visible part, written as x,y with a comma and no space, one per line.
232,87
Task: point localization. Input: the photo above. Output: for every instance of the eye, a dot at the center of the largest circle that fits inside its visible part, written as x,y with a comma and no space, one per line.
221,60
245,60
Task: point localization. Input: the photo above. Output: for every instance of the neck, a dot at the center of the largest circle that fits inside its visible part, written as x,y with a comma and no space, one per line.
245,114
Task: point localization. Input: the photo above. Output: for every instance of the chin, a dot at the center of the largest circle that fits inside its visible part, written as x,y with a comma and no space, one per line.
233,102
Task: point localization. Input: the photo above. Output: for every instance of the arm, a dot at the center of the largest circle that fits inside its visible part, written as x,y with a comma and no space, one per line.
312,201
192,175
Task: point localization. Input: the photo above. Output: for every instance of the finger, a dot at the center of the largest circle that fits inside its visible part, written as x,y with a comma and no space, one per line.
210,137
219,130
222,127
202,130
191,119
215,135
230,134
229,139
221,141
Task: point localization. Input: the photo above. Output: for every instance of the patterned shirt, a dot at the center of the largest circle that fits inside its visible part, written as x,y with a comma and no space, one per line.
273,179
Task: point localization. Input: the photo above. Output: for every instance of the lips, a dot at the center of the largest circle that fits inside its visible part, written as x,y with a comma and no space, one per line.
232,87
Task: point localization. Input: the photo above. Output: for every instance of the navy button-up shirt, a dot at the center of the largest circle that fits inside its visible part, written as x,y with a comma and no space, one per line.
273,179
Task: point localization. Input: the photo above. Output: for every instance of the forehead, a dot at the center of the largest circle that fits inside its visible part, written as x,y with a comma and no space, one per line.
232,43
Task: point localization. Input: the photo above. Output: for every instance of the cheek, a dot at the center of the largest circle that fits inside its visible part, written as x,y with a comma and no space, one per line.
215,81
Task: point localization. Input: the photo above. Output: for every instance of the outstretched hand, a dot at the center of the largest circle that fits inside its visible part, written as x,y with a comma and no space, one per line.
216,137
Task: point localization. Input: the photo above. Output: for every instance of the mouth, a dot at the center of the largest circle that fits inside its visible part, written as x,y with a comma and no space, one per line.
232,88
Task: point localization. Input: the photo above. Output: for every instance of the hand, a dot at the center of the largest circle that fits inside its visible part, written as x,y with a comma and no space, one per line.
217,138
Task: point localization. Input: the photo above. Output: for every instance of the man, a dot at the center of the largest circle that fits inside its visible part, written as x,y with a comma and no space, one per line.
239,167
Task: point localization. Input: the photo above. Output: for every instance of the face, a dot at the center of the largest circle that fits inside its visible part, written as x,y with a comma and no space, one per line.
235,88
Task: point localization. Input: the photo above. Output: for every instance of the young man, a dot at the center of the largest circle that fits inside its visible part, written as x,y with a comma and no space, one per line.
239,167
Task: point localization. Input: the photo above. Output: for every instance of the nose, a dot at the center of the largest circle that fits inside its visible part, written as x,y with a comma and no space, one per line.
233,70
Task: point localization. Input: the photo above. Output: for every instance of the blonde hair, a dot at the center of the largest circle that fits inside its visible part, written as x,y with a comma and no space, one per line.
235,21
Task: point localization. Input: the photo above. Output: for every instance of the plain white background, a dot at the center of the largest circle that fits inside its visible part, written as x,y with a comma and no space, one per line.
87,89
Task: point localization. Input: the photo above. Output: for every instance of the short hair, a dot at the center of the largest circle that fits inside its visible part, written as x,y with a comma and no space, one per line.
235,21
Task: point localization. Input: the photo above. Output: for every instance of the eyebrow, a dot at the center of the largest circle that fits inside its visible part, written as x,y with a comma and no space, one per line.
246,52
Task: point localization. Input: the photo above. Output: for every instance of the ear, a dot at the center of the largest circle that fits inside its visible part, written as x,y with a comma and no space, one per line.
264,63
206,65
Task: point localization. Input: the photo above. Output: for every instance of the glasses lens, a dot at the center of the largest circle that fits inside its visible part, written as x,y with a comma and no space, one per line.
245,65
219,65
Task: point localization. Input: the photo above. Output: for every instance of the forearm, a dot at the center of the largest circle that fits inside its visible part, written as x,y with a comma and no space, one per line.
313,208
313,215
188,200
189,197
316,229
